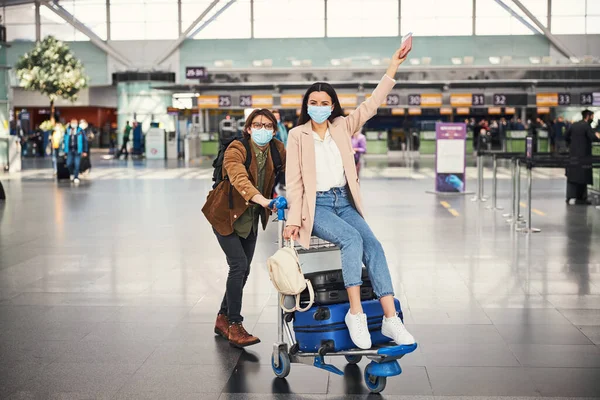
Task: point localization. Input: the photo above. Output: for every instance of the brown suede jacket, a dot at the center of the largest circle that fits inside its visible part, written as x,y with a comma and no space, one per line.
216,209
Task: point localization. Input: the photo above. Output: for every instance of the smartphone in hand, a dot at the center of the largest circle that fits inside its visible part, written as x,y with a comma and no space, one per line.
406,46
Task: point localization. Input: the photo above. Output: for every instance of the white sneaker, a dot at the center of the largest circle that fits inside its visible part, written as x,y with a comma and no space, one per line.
394,329
76,181
359,330
72,178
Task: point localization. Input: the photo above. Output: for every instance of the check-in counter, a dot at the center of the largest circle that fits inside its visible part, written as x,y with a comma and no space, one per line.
427,142
543,144
515,141
377,142
595,187
210,144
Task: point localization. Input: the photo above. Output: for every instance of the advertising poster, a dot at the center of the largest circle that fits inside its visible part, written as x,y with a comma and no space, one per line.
450,174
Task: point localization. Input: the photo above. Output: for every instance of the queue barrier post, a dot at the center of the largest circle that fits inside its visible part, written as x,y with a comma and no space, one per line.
494,205
479,196
529,229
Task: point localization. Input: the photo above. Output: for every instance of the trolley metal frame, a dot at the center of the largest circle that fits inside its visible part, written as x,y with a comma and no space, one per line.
384,359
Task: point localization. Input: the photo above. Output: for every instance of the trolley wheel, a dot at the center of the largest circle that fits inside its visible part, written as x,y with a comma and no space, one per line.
284,365
353,359
375,384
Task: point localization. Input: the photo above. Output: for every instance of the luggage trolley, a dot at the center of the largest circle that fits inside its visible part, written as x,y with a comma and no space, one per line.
384,358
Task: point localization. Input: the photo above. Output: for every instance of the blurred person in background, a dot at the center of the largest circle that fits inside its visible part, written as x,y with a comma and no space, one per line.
75,146
126,133
579,138
359,144
559,130
57,136
86,164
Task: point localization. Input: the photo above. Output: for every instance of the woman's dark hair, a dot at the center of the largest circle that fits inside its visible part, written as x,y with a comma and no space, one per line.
320,87
256,113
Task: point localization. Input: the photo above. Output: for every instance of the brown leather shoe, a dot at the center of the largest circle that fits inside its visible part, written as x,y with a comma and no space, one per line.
222,326
239,337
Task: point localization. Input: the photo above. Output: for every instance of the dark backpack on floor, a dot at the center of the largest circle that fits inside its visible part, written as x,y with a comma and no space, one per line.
218,162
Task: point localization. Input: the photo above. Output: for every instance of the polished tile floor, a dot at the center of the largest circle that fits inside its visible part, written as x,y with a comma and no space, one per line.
109,290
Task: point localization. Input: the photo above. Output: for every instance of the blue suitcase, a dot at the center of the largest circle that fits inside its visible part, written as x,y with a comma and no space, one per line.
324,326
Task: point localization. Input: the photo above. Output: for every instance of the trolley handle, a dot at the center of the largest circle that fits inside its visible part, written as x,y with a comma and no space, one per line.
280,203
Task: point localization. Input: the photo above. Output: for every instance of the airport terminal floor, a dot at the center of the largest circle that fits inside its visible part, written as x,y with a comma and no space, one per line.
110,290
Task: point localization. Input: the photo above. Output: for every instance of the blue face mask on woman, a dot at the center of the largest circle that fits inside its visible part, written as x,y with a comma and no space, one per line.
262,136
319,114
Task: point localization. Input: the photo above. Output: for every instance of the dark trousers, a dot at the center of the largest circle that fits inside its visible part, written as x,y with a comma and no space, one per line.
123,150
73,163
577,191
239,253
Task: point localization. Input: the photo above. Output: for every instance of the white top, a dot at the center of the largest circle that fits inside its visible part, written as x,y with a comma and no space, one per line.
329,166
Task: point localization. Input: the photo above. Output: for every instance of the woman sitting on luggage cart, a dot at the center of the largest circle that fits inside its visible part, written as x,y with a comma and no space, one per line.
324,198
233,208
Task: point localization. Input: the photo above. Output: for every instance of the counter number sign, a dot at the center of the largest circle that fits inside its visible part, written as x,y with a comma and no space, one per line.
195,73
245,101
224,101
564,99
499,99
392,100
414,99
478,100
586,99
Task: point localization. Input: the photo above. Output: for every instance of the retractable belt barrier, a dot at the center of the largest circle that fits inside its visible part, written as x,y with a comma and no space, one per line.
517,159
549,162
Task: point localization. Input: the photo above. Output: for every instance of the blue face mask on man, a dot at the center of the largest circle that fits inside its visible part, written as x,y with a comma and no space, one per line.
319,114
262,136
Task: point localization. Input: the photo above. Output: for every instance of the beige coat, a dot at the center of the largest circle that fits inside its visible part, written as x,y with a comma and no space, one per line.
301,181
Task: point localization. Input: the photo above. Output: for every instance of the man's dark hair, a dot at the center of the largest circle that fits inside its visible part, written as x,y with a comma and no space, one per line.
265,113
586,114
320,87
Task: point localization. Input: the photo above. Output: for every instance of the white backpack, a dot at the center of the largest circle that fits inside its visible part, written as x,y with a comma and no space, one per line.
287,277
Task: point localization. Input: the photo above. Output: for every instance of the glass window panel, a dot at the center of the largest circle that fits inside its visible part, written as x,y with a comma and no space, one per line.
493,25
489,8
289,18
593,7
358,28
161,11
593,25
233,23
127,30
162,31
361,19
63,32
125,12
568,25
441,26
20,32
561,8
24,14
436,8
372,10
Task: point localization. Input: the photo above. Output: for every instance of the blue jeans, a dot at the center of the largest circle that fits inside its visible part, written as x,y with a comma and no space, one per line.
55,159
73,162
338,222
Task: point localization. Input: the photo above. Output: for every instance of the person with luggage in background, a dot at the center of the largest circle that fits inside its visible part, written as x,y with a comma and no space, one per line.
324,198
245,175
75,146
359,144
56,139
